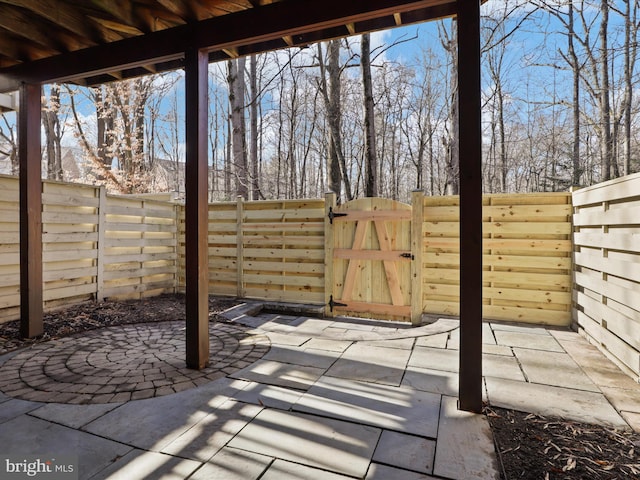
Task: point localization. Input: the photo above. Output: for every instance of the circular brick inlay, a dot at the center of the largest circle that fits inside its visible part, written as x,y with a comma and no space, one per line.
123,363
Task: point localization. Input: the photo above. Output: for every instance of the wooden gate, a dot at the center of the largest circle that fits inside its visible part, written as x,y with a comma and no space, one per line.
369,259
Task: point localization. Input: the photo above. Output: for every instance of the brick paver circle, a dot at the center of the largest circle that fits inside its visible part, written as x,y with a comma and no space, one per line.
129,362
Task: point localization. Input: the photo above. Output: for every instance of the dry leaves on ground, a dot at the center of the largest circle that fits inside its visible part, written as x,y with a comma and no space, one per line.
89,315
535,447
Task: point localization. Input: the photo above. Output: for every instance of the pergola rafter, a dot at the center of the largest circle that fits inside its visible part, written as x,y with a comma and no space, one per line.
97,42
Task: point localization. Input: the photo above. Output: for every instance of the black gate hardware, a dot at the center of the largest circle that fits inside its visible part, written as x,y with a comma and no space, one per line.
333,215
335,304
407,255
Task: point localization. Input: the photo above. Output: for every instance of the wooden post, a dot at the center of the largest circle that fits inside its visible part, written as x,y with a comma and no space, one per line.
240,245
102,226
470,139
196,210
573,307
29,154
330,200
417,245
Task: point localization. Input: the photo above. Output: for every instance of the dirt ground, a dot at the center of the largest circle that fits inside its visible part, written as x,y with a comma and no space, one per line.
533,447
529,447
87,316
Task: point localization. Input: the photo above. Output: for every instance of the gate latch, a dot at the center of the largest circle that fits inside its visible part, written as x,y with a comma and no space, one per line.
332,303
407,255
333,215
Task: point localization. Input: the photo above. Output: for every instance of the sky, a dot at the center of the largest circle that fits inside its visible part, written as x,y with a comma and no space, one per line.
527,56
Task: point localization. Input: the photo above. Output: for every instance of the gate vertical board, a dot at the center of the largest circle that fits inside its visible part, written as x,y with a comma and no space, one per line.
371,259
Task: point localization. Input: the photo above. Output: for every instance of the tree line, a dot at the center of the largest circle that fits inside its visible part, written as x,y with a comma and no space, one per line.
374,118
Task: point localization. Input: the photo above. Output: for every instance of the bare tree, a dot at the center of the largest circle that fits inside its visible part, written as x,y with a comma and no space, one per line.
630,49
9,143
370,159
236,81
609,165
337,166
449,41
102,171
253,126
53,133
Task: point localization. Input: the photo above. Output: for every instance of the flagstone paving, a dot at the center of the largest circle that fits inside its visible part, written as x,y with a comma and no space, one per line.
295,397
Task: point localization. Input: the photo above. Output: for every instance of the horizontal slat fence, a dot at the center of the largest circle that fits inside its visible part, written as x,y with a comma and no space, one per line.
70,216
526,257
98,246
607,267
271,250
95,246
9,249
139,254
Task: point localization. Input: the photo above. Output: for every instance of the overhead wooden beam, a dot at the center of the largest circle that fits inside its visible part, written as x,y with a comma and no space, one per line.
288,39
231,52
18,22
470,139
8,102
179,8
62,14
29,113
254,25
117,26
196,209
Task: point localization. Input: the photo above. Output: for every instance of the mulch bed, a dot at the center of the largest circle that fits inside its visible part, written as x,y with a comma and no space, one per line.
90,315
528,446
542,448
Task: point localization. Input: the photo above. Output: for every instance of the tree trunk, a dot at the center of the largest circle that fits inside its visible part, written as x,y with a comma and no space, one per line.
575,67
51,124
104,121
236,101
370,160
450,44
630,49
253,126
453,159
291,147
605,107
337,167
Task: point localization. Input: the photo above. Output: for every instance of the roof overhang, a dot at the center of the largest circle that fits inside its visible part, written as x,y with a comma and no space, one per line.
265,27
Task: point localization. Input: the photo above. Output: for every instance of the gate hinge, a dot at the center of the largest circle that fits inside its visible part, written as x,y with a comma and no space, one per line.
332,303
333,215
407,255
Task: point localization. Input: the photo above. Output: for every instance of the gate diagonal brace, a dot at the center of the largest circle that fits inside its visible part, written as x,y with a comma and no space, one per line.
333,215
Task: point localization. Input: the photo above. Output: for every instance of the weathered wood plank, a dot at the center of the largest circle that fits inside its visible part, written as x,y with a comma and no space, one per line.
616,189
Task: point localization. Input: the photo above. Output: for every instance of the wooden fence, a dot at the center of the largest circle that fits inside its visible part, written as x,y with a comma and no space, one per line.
101,246
266,250
94,246
278,254
527,257
607,267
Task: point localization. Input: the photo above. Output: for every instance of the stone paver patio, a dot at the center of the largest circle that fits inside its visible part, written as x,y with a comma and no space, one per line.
123,363
330,399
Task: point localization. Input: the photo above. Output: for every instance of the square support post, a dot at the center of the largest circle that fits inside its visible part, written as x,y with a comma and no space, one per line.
29,116
196,210
470,138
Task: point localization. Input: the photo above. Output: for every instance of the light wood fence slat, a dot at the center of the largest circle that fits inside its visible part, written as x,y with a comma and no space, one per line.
103,246
607,261
527,260
80,222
